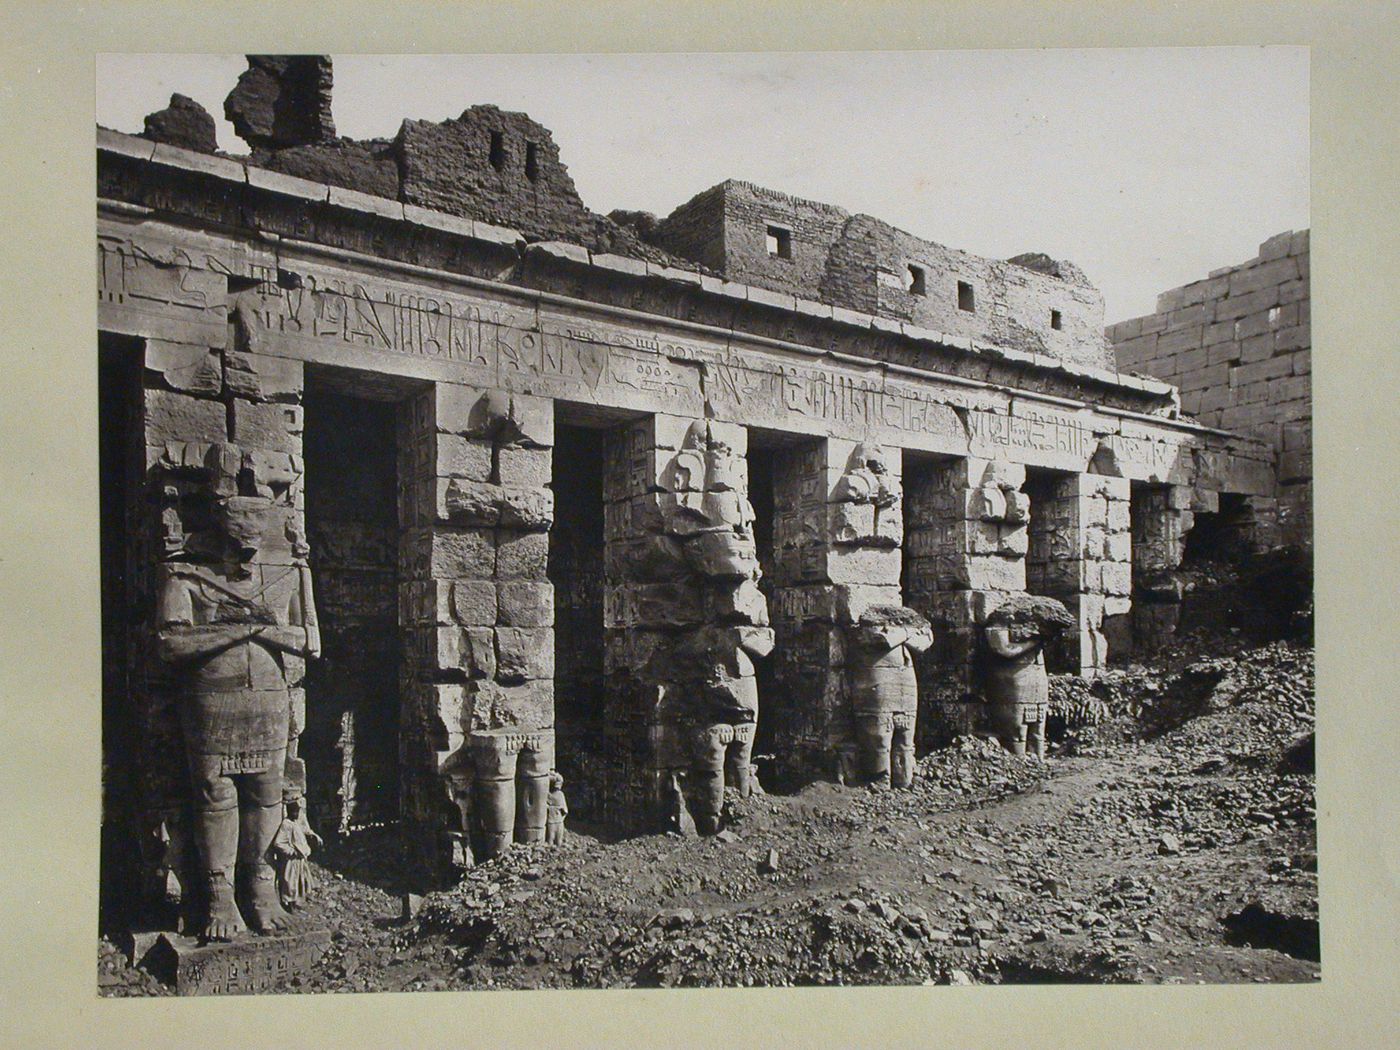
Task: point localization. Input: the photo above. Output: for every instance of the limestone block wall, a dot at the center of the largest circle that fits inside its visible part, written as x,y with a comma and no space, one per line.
728,225
1032,303
1239,345
1012,303
351,740
494,165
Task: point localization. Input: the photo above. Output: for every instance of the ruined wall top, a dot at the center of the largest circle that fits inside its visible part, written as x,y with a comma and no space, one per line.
499,167
774,240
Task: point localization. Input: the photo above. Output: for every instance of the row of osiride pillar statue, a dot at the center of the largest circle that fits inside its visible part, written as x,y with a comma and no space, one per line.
236,617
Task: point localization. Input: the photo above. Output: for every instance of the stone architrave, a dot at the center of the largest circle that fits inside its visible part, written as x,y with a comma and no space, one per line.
683,618
475,508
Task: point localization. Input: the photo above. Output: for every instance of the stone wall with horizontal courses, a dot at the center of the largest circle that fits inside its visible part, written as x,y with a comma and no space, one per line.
1239,345
301,304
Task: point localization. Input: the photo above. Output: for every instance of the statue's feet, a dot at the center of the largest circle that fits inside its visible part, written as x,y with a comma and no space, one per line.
265,911
224,922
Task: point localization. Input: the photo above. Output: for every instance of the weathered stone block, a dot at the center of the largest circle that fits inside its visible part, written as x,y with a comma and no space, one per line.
524,604
863,566
270,426
1117,578
184,367
525,706
468,502
473,603
522,555
243,967
1295,466
1119,547
743,604
524,467
262,377
449,553
1237,306
992,573
174,417
470,650
1118,516
459,457
524,653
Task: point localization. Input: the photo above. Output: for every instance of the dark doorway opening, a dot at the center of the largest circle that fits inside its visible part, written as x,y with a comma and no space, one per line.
1222,535
1052,559
766,735
124,609
351,740
576,571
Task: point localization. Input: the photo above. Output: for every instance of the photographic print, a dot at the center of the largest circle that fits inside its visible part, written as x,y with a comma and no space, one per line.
705,520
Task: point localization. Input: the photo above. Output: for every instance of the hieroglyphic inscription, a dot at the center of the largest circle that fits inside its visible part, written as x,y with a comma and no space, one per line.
379,318
160,290
1042,432
308,309
264,964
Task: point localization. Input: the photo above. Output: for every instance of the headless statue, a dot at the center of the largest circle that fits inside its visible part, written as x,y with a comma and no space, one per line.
1015,683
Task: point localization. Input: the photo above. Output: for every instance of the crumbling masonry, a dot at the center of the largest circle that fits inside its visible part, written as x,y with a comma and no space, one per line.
936,434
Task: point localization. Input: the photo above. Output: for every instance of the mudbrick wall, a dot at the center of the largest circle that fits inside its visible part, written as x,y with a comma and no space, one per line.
1031,302
1239,345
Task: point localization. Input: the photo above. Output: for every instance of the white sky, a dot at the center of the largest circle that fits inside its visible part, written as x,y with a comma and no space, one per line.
1147,167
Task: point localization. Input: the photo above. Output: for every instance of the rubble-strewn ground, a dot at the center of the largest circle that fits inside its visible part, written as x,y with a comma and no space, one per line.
1174,842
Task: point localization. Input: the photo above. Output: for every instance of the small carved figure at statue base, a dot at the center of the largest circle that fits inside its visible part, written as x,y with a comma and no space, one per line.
459,851
1015,684
558,809
675,813
292,848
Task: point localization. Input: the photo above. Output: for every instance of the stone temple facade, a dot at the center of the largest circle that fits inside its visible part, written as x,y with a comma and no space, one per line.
628,498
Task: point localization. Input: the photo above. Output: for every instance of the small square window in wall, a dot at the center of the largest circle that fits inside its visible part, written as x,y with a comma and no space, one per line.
966,300
498,150
532,161
917,285
1056,321
779,242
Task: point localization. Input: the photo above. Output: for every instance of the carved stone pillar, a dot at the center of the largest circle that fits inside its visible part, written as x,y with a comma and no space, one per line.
967,545
683,617
837,528
1161,517
1081,554
475,605
222,428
